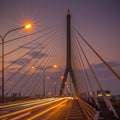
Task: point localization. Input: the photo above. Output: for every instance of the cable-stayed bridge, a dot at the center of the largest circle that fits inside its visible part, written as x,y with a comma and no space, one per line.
34,86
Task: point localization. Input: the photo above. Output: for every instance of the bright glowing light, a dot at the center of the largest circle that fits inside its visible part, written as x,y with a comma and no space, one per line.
108,94
62,77
99,95
33,67
59,105
50,101
55,66
28,26
65,83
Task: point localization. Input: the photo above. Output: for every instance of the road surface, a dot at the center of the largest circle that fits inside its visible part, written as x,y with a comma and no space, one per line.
41,109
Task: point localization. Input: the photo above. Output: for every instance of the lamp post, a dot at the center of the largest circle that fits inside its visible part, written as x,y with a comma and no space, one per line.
55,88
44,90
27,26
44,81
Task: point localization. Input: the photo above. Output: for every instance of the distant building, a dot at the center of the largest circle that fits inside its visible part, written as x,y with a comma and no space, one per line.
15,94
107,93
116,97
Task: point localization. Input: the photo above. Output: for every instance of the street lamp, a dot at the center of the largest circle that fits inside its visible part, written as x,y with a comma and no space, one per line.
26,26
55,66
44,82
55,88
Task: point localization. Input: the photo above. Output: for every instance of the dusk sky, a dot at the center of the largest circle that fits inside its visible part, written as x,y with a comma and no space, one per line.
97,20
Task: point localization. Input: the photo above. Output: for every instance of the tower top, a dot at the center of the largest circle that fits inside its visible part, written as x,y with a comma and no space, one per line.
68,12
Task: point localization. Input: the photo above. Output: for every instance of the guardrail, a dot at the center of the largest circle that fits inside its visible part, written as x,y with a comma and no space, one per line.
89,111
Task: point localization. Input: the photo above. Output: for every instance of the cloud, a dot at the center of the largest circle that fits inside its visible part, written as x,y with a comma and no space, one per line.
32,77
105,77
22,61
25,47
105,73
114,64
32,45
101,71
101,66
37,54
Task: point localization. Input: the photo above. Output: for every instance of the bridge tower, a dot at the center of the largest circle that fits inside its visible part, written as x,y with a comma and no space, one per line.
68,59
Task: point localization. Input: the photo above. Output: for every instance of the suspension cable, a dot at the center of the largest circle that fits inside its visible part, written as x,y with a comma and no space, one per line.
36,69
106,64
87,76
30,34
17,72
29,42
37,85
20,68
36,76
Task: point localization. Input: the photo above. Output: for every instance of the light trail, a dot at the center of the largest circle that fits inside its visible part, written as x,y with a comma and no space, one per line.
45,111
29,109
17,107
23,102
20,116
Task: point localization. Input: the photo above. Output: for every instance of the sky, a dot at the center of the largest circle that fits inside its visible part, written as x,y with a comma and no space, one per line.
96,20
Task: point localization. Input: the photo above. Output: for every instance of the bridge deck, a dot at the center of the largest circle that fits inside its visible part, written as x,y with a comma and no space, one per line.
54,109
75,112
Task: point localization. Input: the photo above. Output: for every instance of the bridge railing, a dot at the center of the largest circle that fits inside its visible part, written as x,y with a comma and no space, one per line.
89,111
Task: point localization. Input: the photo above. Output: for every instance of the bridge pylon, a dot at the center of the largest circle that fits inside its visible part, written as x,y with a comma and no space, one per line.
68,59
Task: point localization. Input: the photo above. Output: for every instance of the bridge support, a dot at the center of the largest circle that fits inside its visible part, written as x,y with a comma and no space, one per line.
68,60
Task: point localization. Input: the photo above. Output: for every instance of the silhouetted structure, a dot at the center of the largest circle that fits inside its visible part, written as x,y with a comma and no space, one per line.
68,60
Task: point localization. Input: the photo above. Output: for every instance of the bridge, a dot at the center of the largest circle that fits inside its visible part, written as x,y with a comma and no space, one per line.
33,87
